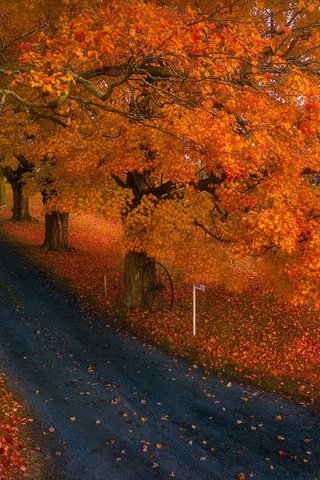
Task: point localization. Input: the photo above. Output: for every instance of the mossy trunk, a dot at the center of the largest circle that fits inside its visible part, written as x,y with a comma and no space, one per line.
139,280
56,231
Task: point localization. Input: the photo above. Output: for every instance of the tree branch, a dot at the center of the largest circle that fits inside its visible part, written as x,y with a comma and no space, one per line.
213,235
26,34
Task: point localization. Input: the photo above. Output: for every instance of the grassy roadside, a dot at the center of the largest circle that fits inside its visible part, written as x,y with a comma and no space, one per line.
248,336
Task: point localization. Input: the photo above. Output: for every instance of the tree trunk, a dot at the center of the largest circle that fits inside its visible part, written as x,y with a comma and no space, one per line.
139,269
56,231
20,208
3,196
139,280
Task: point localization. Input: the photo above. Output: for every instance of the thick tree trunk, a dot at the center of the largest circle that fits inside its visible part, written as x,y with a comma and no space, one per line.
56,231
139,269
3,196
139,280
20,207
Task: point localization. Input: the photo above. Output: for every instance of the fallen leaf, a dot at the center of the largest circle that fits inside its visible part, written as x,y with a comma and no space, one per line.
110,442
281,453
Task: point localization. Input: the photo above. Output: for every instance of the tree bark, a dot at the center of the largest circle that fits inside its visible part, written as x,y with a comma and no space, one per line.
56,231
20,207
139,280
3,196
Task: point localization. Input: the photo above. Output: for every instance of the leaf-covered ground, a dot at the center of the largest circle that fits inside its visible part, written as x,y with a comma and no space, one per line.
12,455
245,335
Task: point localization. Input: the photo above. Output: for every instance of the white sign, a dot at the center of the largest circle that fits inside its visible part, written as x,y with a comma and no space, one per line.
201,288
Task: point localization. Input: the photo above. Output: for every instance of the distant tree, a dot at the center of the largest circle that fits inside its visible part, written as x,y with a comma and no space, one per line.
3,195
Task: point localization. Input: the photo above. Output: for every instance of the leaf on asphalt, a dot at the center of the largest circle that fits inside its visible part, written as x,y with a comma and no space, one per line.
278,418
110,442
293,458
282,453
90,369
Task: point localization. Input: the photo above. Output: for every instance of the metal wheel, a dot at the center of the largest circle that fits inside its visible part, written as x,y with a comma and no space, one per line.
157,287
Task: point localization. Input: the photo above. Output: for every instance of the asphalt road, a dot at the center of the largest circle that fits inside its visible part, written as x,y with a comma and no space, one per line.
113,408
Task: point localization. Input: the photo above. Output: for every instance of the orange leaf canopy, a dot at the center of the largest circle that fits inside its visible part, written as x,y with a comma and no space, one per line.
198,125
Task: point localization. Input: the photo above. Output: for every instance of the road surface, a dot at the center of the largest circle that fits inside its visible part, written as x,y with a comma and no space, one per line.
113,408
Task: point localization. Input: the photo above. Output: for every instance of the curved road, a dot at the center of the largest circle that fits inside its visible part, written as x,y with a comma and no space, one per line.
114,408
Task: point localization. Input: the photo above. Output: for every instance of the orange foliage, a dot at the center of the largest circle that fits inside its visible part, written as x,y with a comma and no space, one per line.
180,122
12,460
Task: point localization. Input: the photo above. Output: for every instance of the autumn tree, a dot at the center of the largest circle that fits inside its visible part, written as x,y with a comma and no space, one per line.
193,126
19,22
3,195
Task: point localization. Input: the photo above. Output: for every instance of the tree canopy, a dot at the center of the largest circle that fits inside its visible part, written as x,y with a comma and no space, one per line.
197,126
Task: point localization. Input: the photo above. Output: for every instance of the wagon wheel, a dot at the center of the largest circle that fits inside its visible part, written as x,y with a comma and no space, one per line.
157,287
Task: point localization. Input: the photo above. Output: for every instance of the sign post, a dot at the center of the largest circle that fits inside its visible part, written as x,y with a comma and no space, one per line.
105,285
201,288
